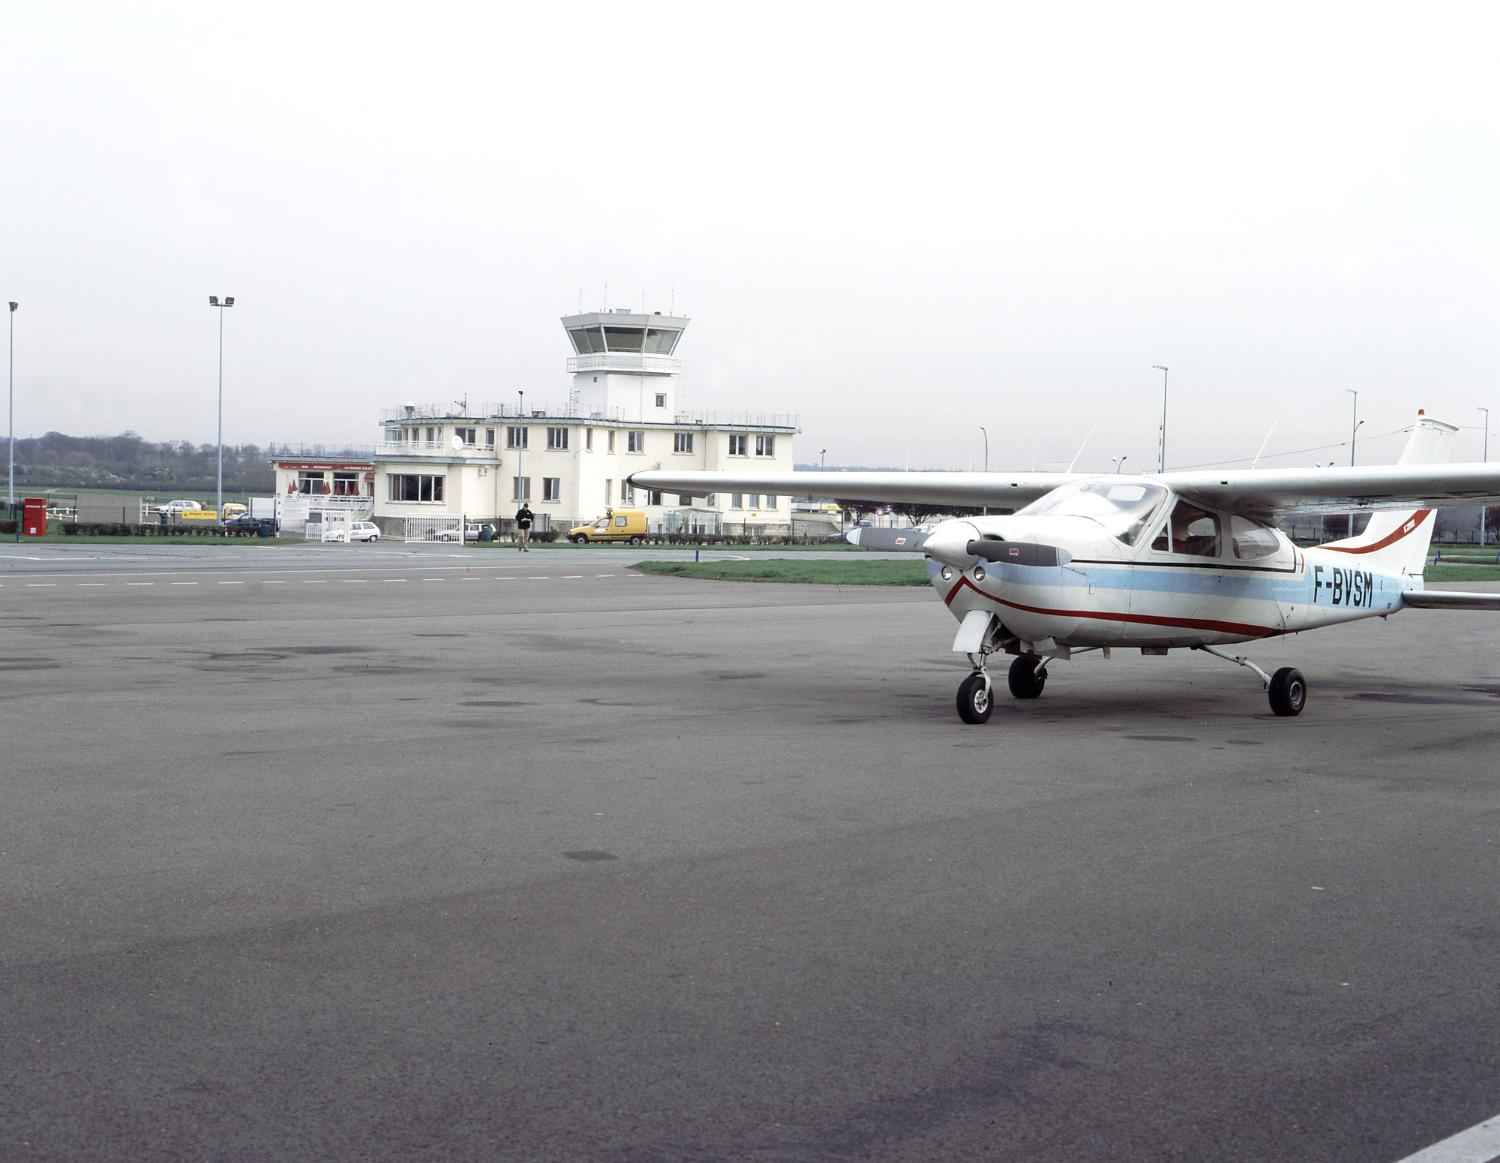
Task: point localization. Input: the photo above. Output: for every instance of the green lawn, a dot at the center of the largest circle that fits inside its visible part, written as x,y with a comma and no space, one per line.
848,573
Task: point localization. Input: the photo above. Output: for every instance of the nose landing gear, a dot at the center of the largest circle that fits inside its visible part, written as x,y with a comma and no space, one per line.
974,696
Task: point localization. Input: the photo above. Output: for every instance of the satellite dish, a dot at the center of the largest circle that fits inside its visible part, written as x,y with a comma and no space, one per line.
458,444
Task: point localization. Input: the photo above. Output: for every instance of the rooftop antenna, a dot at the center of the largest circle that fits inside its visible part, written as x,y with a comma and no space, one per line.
463,405
606,296
672,302
1081,447
1262,448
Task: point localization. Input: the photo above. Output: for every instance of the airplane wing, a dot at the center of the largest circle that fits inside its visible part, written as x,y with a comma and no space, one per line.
1271,492
1450,600
978,489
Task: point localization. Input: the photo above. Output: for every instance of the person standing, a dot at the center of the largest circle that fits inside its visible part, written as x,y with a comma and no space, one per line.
524,517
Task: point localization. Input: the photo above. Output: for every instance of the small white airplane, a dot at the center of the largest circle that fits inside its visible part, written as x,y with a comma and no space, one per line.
1160,562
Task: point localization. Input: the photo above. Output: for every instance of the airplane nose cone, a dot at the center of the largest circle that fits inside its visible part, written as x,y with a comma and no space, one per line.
949,543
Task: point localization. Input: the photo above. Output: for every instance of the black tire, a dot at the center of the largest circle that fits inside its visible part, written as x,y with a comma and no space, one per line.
1024,681
635,541
974,702
1288,691
581,539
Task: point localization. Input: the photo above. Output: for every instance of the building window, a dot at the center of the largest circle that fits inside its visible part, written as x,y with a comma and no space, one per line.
736,500
609,491
653,497
469,436
684,500
309,481
635,442
557,438
520,488
588,439
627,494
552,488
516,438
611,440
738,445
412,486
765,446
661,399
346,484
682,442
489,438
432,436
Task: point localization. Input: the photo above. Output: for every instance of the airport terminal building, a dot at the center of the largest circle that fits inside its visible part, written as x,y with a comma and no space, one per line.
569,459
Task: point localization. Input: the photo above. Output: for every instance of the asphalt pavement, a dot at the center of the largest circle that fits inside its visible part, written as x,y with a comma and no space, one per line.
385,852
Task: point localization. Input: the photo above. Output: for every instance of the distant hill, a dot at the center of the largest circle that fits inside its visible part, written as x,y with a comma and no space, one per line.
128,462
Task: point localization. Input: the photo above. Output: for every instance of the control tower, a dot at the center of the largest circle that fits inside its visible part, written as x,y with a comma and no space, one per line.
623,367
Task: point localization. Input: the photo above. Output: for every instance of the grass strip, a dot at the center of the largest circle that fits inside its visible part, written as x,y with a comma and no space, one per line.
828,573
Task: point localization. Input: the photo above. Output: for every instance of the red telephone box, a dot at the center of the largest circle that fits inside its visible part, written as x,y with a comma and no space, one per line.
34,516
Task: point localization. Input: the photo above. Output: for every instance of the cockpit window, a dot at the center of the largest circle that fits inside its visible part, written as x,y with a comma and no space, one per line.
1123,507
1192,530
1252,539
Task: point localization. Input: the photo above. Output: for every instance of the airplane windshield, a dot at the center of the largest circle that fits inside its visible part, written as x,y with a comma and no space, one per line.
1123,507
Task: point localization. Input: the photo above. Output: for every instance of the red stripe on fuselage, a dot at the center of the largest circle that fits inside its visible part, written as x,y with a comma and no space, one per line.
1389,539
1138,619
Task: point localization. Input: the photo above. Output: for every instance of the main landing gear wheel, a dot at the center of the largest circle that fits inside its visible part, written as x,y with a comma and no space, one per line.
974,704
1025,682
1288,691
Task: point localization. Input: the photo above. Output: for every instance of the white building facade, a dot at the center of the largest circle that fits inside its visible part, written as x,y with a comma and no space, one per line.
571,459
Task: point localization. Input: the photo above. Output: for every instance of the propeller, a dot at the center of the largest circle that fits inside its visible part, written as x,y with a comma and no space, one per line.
1017,552
897,540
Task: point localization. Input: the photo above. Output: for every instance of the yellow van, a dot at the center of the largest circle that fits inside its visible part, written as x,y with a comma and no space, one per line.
616,525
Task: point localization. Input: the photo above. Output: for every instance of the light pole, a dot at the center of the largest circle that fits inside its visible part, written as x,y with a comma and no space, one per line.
1161,462
986,436
822,457
521,447
1119,462
213,301
10,484
1354,423
1482,509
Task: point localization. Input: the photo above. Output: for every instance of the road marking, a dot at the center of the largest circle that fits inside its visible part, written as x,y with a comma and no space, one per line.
604,575
399,581
184,583
265,583
237,583
93,583
356,581
1479,1144
547,578
469,579
315,581
41,585
140,583
571,576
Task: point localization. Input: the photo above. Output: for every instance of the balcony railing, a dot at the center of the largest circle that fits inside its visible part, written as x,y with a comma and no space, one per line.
626,361
509,414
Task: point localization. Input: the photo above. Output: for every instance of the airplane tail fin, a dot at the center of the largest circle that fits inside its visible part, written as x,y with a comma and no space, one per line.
1398,539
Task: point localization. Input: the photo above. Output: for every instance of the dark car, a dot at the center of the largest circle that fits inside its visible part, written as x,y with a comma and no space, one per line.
248,526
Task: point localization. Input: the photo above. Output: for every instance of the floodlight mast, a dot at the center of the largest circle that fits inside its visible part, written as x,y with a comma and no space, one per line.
213,301
1161,460
10,485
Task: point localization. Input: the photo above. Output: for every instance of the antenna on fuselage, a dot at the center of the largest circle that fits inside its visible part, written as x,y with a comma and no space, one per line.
1081,447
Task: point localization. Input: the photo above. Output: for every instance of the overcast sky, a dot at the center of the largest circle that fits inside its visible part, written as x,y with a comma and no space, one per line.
900,222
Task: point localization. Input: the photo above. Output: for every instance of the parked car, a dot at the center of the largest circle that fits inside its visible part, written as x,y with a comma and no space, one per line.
246,524
616,525
364,531
176,508
472,532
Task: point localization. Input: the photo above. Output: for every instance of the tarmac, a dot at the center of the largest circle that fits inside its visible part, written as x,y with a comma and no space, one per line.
367,852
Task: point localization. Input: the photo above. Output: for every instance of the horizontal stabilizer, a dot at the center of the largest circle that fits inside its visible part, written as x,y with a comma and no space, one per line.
1018,552
1450,600
898,540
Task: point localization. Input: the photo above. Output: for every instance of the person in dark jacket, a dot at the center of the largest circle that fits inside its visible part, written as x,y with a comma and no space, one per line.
524,517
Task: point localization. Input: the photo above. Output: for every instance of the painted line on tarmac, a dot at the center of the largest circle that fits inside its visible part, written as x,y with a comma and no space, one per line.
1479,1144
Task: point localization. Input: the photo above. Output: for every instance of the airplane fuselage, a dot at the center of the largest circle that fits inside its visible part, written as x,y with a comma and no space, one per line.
1107,593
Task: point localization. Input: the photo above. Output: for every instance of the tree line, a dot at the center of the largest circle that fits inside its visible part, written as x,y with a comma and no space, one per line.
127,461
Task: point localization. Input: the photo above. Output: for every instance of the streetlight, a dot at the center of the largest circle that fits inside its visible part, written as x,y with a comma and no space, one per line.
1483,510
10,487
1355,422
213,301
1119,462
1161,463
822,457
986,436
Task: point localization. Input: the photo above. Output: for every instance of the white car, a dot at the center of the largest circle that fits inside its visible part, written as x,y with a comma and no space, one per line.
471,533
364,531
173,508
